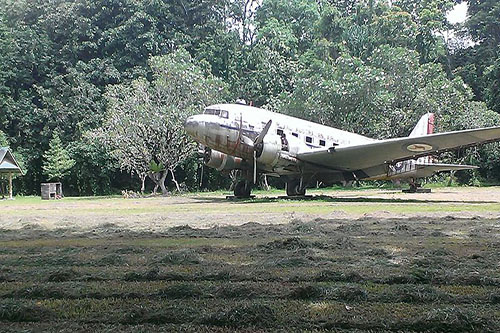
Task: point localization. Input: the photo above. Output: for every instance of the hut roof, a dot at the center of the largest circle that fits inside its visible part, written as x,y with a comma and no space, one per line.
7,162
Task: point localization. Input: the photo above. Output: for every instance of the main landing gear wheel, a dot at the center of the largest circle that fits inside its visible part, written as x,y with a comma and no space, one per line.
242,189
293,188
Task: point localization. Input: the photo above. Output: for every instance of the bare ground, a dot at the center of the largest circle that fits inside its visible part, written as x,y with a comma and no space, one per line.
207,210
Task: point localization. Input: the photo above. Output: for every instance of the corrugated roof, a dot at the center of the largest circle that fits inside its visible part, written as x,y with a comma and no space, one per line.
7,161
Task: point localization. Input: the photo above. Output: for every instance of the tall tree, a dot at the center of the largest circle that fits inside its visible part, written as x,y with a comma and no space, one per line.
57,162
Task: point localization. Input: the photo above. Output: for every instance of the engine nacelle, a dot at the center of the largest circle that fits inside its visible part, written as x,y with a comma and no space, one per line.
220,161
269,150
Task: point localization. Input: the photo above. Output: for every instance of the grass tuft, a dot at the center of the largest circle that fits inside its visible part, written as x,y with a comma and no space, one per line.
241,316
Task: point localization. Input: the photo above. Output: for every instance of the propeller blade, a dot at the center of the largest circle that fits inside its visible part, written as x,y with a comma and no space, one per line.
247,140
254,167
201,174
262,134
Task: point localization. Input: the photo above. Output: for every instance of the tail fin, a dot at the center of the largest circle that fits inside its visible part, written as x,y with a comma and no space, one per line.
424,126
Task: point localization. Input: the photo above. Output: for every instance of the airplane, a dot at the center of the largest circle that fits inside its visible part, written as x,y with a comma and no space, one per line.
258,141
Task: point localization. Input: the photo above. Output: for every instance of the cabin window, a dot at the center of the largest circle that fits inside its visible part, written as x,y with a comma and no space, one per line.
224,114
295,134
309,139
322,143
209,111
279,132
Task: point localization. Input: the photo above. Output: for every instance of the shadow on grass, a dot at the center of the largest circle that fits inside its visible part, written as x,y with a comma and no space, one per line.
328,198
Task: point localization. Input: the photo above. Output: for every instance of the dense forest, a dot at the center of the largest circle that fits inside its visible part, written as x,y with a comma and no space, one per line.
73,72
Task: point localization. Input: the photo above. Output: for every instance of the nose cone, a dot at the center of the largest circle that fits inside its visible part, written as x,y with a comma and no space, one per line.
190,125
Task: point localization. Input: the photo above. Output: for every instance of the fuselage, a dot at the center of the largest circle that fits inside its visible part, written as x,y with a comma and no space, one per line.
227,128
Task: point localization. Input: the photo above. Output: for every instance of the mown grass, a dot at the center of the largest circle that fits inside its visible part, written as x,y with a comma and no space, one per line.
365,275
326,201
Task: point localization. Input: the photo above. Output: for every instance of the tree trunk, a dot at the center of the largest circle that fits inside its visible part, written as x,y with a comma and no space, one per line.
175,181
156,177
164,190
143,182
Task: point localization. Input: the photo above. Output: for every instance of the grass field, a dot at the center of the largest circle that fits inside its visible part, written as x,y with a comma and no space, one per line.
355,262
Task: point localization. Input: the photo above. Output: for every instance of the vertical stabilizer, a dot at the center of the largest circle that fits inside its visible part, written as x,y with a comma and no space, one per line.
424,126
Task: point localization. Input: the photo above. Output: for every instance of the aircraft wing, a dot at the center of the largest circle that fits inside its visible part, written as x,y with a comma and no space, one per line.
356,157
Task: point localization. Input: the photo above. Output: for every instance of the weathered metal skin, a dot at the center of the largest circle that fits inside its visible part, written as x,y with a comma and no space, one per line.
242,137
231,129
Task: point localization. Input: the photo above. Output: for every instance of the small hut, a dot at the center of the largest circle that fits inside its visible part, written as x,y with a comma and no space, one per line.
8,166
51,191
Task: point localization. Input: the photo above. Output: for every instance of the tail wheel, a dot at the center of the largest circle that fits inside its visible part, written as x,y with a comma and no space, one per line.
242,189
293,188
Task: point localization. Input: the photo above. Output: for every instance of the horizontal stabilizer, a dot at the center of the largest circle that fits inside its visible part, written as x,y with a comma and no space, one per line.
437,167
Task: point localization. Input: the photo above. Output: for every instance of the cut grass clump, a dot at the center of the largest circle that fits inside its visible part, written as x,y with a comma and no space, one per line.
307,292
293,243
45,291
62,275
292,262
450,319
241,316
378,253
182,290
15,311
236,291
181,257
398,279
415,294
169,315
110,260
150,275
334,276
348,293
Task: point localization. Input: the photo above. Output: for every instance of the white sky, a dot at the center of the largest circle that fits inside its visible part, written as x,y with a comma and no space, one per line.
458,14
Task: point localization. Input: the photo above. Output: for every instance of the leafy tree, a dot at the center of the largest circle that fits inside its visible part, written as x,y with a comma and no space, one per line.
144,126
4,141
57,162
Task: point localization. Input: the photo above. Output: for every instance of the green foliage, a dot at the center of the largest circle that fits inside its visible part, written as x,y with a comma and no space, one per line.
57,162
144,126
4,141
360,65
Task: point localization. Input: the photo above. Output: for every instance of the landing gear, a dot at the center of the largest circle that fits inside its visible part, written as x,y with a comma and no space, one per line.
416,187
293,188
242,189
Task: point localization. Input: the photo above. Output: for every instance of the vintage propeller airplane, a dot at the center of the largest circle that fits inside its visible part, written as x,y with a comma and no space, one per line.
258,141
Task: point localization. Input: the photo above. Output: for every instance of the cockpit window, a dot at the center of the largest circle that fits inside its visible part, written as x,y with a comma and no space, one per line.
217,112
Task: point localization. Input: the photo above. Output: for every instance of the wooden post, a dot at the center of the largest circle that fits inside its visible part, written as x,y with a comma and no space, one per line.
10,185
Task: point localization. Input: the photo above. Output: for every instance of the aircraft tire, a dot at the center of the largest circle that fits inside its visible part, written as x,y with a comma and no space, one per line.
293,188
242,189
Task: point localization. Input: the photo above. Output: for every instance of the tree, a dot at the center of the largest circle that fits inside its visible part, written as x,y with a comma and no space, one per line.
4,141
57,162
145,124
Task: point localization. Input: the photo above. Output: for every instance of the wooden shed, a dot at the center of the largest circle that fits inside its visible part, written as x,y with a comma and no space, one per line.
51,191
8,166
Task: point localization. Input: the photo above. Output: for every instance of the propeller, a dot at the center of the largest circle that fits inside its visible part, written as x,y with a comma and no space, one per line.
202,157
257,148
